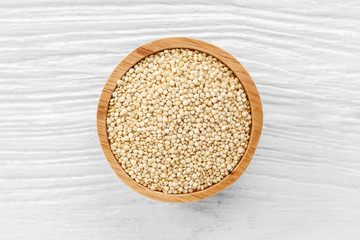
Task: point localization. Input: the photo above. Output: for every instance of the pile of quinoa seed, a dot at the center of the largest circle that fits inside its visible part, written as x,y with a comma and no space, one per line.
178,121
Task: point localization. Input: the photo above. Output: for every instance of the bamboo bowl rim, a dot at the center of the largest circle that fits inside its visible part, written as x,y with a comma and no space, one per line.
187,43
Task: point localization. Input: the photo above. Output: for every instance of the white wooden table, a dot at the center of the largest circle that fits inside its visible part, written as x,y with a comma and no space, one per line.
303,182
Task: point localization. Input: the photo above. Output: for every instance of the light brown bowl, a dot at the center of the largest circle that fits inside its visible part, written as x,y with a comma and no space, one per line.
188,43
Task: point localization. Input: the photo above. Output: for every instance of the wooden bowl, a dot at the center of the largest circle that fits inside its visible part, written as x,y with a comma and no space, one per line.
188,43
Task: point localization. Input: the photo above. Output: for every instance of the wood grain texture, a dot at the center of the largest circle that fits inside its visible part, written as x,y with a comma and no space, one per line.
188,43
303,181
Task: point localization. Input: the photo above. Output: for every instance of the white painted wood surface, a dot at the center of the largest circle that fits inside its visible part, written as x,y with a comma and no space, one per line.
303,182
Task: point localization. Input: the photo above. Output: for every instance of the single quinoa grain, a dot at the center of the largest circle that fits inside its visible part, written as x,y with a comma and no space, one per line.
178,121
